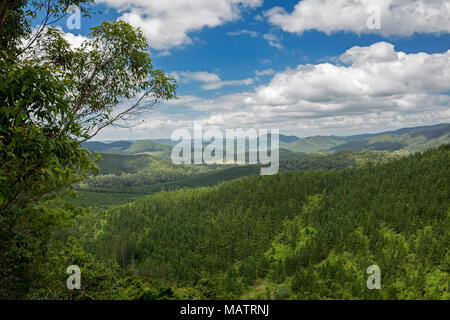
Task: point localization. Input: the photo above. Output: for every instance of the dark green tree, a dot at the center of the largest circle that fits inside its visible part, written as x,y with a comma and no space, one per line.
53,97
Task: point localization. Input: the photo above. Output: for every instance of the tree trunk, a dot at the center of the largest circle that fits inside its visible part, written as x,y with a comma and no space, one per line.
3,8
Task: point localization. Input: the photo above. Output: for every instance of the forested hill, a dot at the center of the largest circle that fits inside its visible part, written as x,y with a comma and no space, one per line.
126,147
404,141
124,178
304,235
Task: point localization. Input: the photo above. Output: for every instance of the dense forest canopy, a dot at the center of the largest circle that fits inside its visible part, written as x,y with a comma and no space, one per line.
142,228
124,178
305,235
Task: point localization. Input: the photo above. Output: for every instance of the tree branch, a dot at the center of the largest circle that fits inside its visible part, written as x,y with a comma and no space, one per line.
121,116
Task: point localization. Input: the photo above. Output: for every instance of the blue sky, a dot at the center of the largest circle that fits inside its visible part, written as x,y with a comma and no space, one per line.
308,67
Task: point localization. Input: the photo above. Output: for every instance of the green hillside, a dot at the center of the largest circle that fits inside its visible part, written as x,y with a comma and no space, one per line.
126,147
314,144
118,164
151,148
118,147
416,140
121,172
334,161
402,131
124,178
405,140
303,235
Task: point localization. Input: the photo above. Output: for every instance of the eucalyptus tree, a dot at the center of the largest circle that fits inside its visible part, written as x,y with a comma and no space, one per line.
54,96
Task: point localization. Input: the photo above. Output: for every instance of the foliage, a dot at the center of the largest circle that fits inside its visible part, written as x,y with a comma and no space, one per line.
314,144
124,178
52,97
100,280
415,140
307,235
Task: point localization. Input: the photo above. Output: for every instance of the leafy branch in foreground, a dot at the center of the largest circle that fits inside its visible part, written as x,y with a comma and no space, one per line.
53,97
111,69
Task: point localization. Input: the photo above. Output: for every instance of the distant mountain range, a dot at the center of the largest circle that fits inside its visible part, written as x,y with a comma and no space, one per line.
405,140
412,130
149,147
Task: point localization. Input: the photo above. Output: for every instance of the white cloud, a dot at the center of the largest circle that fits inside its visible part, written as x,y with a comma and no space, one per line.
74,40
211,80
266,72
273,40
225,103
367,86
373,74
258,17
167,24
253,34
202,76
221,84
367,89
398,17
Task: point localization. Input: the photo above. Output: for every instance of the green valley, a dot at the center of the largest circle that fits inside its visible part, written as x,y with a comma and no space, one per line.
223,155
299,235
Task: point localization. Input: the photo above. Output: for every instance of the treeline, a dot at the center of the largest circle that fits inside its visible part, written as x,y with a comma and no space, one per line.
124,178
303,235
120,172
335,161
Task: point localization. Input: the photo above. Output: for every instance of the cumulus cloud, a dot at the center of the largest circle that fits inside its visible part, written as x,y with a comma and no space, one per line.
211,80
221,84
369,76
202,76
74,40
225,103
367,89
397,17
167,24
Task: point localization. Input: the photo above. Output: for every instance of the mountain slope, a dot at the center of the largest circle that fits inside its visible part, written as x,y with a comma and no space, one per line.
416,139
117,147
126,147
405,139
314,144
124,178
150,147
402,131
306,235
